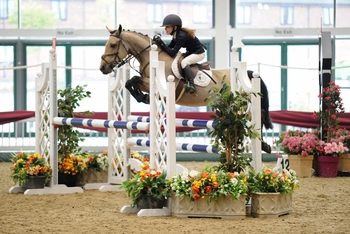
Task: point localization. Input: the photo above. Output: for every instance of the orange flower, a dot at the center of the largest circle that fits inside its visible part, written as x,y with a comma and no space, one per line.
195,189
215,185
208,189
232,175
196,196
20,154
205,174
105,152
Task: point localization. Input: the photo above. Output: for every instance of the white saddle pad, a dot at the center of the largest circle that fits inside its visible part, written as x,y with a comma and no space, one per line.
201,78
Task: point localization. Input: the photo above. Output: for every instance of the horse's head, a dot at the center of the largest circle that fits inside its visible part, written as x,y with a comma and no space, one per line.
115,51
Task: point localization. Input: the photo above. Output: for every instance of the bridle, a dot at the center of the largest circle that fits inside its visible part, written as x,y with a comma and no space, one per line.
126,59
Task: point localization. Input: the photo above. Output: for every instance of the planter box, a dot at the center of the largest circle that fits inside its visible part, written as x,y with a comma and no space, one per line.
225,208
92,176
271,205
344,163
34,182
301,165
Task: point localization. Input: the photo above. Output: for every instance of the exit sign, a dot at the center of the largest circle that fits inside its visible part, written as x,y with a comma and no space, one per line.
65,32
282,32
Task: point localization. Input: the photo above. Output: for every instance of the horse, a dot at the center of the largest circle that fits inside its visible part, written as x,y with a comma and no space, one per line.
123,45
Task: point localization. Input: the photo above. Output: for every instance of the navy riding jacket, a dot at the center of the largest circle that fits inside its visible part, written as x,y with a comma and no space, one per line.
182,39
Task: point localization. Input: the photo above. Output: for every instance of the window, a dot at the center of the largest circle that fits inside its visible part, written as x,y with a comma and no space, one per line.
154,12
286,15
60,7
327,16
200,14
243,15
5,7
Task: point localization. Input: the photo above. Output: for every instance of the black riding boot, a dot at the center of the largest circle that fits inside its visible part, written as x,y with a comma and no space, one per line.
189,77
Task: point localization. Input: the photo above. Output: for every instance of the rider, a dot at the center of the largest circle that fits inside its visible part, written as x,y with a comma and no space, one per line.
182,37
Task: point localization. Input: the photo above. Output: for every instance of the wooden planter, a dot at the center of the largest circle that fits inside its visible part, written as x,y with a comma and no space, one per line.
225,208
344,163
271,205
34,182
92,176
301,165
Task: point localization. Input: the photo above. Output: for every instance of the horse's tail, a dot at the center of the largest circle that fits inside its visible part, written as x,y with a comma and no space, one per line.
265,115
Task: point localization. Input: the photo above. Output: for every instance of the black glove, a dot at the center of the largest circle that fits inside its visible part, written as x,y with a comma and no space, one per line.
158,40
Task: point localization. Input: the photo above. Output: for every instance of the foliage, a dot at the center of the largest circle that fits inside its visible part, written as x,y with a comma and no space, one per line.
333,148
333,104
33,16
209,184
297,142
72,164
232,128
97,162
146,182
276,180
29,164
68,136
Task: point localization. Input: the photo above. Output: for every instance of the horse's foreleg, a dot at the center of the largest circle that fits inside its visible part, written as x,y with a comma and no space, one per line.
135,91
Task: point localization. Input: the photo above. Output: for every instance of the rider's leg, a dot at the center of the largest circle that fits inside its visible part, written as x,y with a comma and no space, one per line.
185,64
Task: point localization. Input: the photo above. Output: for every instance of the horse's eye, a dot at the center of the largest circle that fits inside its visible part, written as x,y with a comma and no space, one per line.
113,45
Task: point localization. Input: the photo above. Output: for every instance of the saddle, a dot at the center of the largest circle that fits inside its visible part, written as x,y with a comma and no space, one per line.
201,71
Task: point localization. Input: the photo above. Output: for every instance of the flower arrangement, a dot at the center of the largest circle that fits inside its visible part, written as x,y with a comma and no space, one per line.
275,180
209,184
297,142
97,162
334,149
29,164
72,164
147,182
333,104
343,135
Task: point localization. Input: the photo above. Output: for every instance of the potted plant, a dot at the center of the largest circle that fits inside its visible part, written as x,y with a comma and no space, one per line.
343,135
96,168
329,124
271,191
30,170
69,167
300,147
232,129
328,155
147,188
209,193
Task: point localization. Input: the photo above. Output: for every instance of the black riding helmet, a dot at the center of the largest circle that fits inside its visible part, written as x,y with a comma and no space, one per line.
172,19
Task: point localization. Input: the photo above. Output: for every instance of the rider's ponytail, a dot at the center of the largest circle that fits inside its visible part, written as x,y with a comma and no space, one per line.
190,32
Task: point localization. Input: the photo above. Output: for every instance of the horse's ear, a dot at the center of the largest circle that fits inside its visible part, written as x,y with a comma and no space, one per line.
109,30
120,29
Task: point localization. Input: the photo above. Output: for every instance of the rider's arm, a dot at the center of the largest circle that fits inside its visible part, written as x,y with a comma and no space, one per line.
175,46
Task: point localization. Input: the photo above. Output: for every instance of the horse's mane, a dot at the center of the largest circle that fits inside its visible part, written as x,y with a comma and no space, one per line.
128,30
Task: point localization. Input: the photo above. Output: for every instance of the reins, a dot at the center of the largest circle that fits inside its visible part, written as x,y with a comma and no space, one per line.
126,59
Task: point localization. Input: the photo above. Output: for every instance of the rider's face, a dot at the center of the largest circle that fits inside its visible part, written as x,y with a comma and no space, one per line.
168,29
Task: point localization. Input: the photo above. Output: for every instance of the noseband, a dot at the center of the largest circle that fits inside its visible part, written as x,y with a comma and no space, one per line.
116,56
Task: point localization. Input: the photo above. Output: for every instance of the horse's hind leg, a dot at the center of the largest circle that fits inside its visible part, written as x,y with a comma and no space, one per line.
135,91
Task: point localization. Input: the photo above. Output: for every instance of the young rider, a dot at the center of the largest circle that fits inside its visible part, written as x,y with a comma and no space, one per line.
182,37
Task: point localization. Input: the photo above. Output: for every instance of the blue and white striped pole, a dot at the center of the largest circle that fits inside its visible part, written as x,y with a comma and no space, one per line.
99,123
179,146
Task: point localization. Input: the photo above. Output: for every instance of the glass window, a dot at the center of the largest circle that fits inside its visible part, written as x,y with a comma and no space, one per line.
85,71
269,71
286,15
243,15
60,7
6,78
342,69
199,15
37,55
5,7
299,14
303,78
155,12
342,13
327,16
